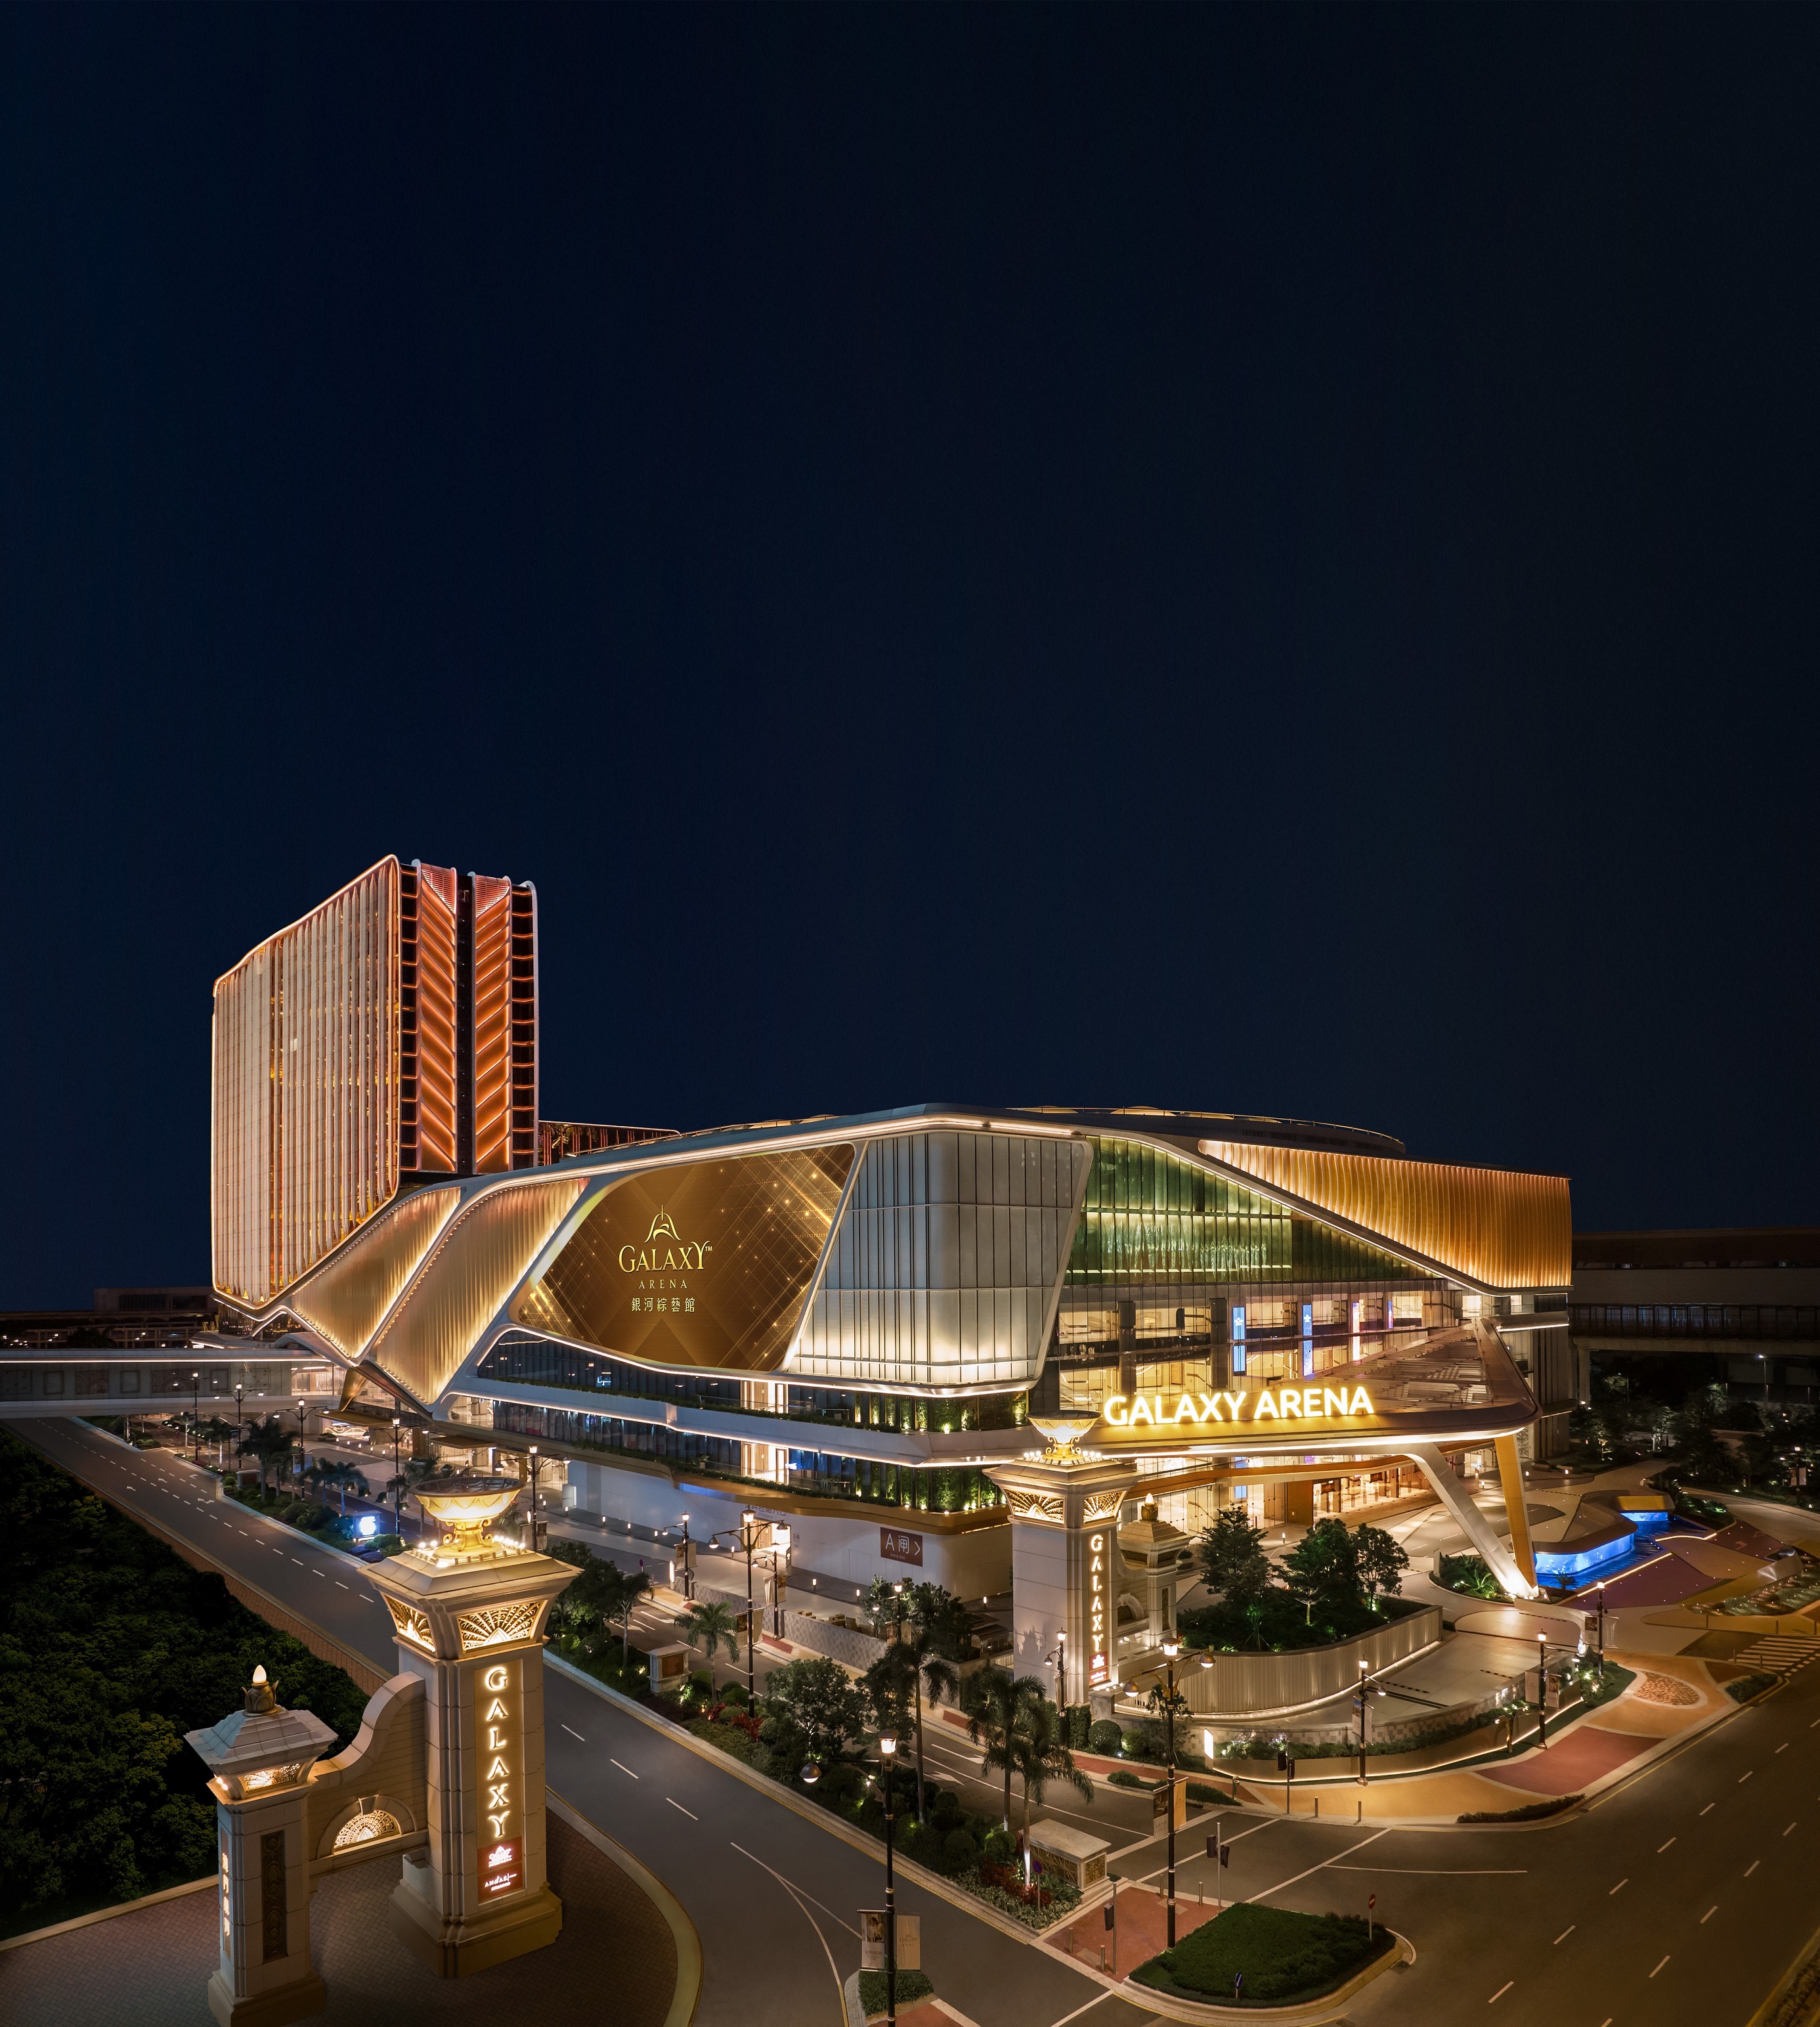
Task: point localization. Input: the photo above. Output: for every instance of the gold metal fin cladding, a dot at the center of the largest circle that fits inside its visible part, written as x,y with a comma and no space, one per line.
706,1264
497,1625
348,1300
411,1624
1505,1229
470,1272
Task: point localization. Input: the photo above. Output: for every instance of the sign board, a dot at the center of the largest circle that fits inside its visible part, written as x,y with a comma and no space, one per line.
910,1940
1093,1607
896,1546
1160,1807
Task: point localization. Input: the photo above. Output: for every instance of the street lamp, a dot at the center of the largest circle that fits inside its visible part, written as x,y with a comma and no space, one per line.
1364,1779
303,1416
397,1480
748,1536
1171,1649
195,1417
887,1753
1542,1688
1601,1631
779,1574
687,1564
531,1479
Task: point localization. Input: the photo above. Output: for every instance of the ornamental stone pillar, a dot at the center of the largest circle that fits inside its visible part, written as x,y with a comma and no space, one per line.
1065,1558
259,1761
468,1613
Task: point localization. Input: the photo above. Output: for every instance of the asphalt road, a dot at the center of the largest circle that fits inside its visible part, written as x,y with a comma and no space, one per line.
1680,1898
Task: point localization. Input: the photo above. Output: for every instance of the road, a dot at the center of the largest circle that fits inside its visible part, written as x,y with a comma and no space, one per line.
1680,1898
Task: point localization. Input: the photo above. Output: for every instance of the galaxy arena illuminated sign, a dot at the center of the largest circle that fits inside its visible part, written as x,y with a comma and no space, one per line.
1098,1661
1286,1404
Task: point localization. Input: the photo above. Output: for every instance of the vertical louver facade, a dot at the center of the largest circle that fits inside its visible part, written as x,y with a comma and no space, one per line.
388,1038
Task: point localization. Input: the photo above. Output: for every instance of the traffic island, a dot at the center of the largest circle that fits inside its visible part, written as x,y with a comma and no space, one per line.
1274,1961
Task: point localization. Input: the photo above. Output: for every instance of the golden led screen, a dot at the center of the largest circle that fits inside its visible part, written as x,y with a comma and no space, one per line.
705,1265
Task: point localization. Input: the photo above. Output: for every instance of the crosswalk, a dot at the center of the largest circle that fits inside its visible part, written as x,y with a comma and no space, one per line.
1777,1654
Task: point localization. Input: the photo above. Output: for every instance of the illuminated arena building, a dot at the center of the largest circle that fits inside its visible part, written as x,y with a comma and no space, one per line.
945,1338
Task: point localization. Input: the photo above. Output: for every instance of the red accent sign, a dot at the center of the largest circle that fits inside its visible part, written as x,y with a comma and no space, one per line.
499,1870
896,1546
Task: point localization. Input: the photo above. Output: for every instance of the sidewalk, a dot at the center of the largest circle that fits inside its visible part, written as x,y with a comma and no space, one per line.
1142,1929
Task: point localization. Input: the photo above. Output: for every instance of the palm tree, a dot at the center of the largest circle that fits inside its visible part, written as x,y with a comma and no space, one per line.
332,1474
999,1707
1041,1755
268,1441
707,1625
216,1431
922,1645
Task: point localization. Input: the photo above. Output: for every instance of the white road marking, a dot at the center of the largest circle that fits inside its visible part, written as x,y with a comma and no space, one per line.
1785,1833
1658,1967
1323,1867
1743,1777
795,1888
1752,1867
339,1585
1707,1916
298,1561
1661,1848
574,1734
1432,1872
1502,1989
1075,2014
816,1925
1566,1932
1782,1748
1621,1886
1710,1805
625,1769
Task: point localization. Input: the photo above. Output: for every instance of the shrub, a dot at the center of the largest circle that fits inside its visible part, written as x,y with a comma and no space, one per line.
1104,1737
1204,1791
734,1692
1748,1686
958,1850
1284,1956
1079,1717
728,1738
1134,1743
910,1984
1469,1574
1530,1812
842,1780
1123,1777
1000,1846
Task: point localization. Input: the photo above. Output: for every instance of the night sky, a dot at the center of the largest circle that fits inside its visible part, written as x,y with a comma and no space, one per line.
1257,559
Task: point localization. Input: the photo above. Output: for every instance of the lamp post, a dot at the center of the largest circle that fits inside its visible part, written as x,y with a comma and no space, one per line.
687,1564
748,1538
779,1574
887,1753
195,1417
531,1482
303,1416
397,1480
1364,1779
1542,1688
1601,1632
1171,1649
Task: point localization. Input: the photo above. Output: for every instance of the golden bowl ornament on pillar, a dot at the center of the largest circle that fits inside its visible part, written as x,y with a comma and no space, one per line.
1063,1434
465,1508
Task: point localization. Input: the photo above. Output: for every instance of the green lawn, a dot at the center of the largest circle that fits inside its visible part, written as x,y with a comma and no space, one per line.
1282,1955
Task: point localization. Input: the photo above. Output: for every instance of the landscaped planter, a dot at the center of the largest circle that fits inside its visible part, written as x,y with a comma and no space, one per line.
1241,1688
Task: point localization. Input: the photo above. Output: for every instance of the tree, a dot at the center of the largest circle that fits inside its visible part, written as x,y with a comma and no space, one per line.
1039,1752
895,1681
268,1442
817,1709
331,1475
999,1707
216,1431
613,1594
1382,1560
707,1625
1323,1569
1232,1558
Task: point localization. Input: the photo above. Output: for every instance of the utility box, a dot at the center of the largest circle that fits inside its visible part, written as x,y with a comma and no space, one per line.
668,1666
1072,1854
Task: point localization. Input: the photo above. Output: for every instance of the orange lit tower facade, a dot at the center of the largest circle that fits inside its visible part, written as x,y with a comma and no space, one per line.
387,1040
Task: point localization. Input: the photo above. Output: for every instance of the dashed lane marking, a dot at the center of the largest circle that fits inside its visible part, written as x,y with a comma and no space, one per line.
1785,1833
1658,1967
1502,1989
1621,1886
1707,1916
1661,1848
574,1734
1566,1932
624,1768
675,1804
1743,1777
1709,1807
1752,1867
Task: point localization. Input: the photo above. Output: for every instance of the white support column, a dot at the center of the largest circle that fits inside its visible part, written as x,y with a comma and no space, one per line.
1478,1530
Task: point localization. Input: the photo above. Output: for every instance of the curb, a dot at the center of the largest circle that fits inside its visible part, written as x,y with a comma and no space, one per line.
932,1882
688,1959
108,1913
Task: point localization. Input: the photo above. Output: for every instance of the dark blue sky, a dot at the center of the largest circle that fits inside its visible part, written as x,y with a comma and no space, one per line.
1257,558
